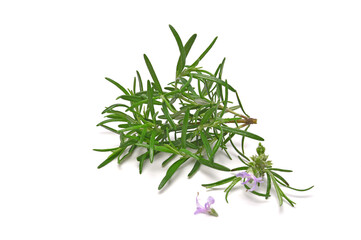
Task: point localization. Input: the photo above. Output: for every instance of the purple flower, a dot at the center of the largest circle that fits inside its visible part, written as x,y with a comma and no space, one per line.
248,178
207,207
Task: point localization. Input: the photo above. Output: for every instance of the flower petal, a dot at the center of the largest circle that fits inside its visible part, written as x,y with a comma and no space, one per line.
207,206
243,174
248,179
253,187
210,200
197,203
200,210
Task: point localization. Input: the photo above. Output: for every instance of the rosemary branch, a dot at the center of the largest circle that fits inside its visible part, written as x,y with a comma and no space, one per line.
186,119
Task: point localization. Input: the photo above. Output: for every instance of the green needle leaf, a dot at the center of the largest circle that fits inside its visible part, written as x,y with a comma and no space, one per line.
171,170
169,159
218,144
255,192
141,158
213,79
214,165
131,98
109,128
195,168
218,183
280,178
186,86
189,43
204,161
165,149
240,105
109,120
135,85
151,146
112,107
221,66
229,188
243,138
131,150
118,85
204,53
242,133
207,115
225,100
182,57
106,150
168,117
140,82
150,100
240,168
279,169
207,146
296,189
185,128
152,74
268,190
277,188
135,127
111,157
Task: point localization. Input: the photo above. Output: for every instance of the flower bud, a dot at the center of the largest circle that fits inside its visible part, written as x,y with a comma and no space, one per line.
213,212
260,149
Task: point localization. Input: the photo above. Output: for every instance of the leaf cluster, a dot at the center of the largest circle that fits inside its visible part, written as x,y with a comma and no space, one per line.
260,166
191,118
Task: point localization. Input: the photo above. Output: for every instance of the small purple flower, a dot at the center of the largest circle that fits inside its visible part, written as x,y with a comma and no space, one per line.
248,178
207,207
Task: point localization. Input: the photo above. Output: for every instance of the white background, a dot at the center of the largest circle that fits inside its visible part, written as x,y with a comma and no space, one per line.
296,65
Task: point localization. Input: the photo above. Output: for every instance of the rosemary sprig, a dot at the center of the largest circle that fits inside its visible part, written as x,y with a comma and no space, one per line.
256,168
190,118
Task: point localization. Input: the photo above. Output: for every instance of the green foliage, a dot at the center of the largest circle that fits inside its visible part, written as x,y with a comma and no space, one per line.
192,118
260,166
178,119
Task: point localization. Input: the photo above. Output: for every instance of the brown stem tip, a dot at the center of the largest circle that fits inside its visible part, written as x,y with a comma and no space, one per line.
248,121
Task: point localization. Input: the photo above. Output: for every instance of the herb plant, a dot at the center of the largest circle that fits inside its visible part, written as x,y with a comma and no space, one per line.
256,168
191,119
